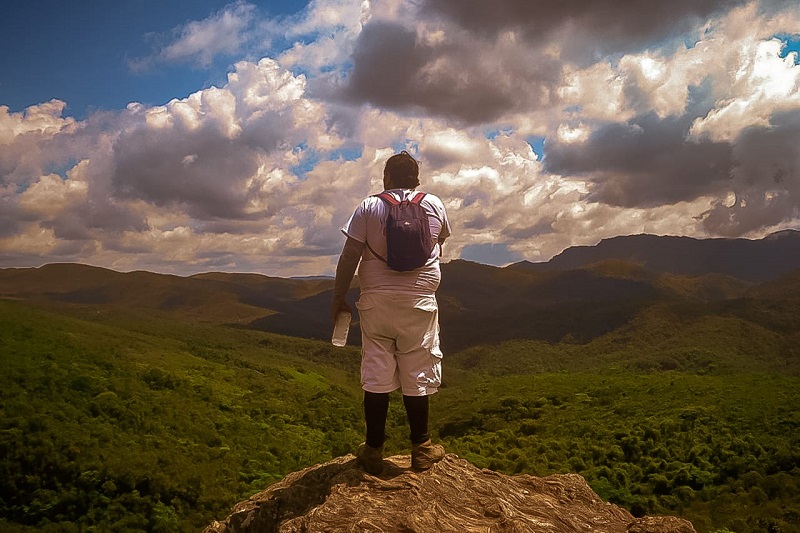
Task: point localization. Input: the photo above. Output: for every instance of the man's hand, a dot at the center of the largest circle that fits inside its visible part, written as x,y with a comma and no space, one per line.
339,306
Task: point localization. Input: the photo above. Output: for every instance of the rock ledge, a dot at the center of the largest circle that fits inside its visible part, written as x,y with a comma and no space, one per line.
454,495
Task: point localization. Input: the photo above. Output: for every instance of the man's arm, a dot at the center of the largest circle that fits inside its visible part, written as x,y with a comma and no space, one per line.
345,270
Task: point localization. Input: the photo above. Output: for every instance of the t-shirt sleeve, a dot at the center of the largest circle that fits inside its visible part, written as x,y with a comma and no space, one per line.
356,227
445,231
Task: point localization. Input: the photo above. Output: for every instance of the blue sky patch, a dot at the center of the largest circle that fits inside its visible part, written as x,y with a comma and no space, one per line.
346,154
493,134
309,158
61,168
82,54
411,148
791,43
537,143
490,253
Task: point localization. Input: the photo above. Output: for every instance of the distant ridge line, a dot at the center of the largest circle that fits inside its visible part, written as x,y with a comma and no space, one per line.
580,295
755,260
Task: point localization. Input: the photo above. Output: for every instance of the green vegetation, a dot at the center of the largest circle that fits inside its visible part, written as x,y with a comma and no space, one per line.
696,416
134,424
112,421
716,450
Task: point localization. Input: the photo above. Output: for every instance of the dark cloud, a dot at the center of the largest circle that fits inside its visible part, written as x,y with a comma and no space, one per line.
478,72
645,162
767,156
478,222
74,248
590,29
386,63
317,242
106,215
9,217
202,170
766,179
70,226
648,162
460,78
204,185
538,229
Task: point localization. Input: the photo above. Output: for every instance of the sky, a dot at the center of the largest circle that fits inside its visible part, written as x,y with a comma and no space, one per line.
195,136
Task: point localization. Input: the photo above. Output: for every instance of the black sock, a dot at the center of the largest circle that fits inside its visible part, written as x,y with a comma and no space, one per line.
376,407
417,413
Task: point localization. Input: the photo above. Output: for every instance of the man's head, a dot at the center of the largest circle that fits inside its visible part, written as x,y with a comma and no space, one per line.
401,171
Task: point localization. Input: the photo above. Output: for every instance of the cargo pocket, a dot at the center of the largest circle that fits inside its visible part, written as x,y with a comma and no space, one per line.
365,305
368,302
430,338
426,303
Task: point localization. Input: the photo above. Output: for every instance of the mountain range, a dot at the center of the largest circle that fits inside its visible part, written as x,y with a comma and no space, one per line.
579,295
751,260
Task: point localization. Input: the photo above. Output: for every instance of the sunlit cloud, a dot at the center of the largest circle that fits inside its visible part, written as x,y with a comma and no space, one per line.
540,127
200,42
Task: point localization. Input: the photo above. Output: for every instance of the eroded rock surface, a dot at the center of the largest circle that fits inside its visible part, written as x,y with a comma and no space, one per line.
452,496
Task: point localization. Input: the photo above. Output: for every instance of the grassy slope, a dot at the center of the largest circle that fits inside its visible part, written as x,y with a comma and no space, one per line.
133,422
138,423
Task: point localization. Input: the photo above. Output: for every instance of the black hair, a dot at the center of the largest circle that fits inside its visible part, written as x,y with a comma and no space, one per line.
403,170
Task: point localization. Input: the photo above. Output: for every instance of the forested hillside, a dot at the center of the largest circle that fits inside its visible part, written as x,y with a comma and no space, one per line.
129,422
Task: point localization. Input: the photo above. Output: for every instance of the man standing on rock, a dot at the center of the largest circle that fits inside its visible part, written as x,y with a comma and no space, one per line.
397,305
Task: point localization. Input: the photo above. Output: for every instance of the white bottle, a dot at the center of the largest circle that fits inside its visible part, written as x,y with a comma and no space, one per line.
341,328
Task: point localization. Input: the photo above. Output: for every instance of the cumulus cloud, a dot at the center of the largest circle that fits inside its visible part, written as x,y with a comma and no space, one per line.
585,31
27,140
210,178
480,61
200,41
700,123
324,34
451,73
764,85
679,119
644,162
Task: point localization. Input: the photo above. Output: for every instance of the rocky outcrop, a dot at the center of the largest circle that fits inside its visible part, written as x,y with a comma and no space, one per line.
452,496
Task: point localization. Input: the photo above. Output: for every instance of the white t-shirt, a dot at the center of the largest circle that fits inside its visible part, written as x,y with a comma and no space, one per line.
368,225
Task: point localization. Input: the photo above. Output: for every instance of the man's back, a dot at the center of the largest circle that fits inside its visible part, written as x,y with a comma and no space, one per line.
368,226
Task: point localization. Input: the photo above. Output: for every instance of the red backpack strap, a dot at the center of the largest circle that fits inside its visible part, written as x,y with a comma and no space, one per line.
418,198
388,198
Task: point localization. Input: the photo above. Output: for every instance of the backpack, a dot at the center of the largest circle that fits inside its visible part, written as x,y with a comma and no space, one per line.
408,233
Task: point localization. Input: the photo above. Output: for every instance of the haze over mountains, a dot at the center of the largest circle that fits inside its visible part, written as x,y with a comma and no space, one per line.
579,295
